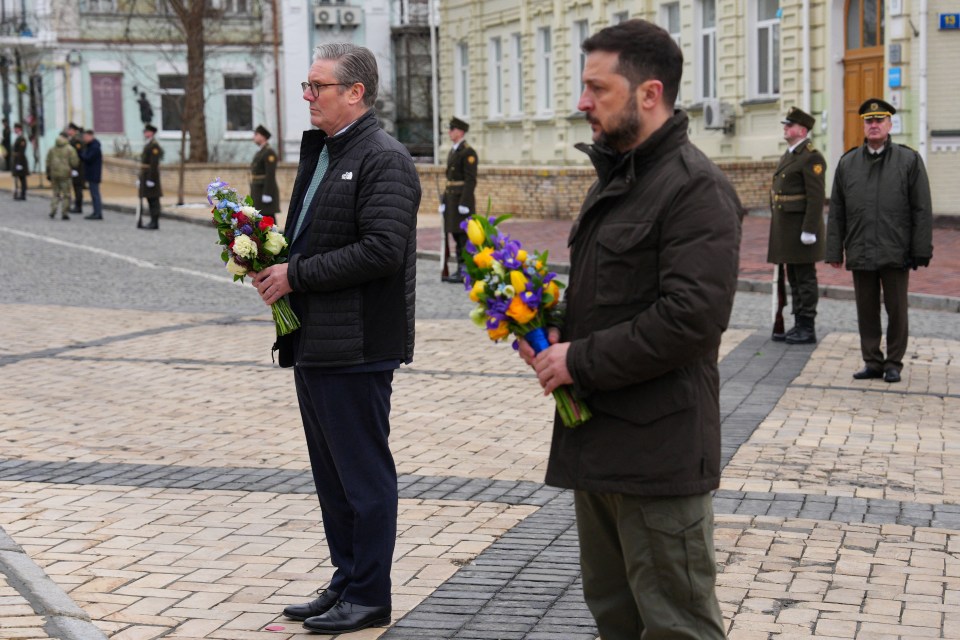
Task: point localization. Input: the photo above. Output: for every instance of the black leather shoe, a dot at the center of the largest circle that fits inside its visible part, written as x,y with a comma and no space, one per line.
317,607
346,618
802,335
93,216
453,278
867,373
891,375
778,337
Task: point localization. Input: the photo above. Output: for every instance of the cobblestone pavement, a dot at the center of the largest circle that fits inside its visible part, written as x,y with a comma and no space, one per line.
154,484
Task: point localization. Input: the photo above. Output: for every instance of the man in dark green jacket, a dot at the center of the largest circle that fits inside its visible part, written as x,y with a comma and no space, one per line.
654,256
458,195
881,217
796,226
263,175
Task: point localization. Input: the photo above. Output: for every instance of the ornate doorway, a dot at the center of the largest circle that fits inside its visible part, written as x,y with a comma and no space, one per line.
862,63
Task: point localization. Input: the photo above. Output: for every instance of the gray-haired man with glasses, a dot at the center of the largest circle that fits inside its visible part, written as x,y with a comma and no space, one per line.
352,232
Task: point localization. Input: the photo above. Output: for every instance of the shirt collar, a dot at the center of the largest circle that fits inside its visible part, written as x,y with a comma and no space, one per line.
791,149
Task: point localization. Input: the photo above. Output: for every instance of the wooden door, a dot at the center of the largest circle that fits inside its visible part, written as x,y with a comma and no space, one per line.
862,63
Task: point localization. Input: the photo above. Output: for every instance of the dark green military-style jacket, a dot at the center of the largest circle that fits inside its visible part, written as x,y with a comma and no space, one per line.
461,184
796,206
263,181
150,170
20,157
77,143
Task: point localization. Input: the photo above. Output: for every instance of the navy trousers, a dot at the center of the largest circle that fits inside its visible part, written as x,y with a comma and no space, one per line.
346,417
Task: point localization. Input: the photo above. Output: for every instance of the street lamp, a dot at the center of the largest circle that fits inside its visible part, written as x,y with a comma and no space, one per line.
73,58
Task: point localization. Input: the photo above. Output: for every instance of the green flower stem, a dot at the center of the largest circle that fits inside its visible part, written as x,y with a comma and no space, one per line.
284,317
573,411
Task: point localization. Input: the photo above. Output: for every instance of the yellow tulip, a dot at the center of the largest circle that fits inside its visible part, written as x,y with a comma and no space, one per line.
499,333
484,259
478,287
553,290
518,280
522,255
475,232
519,311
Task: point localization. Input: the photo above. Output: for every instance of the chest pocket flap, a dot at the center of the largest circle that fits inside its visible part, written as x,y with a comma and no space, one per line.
627,264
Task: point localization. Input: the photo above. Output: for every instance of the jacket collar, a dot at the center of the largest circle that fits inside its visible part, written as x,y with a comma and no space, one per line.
315,139
665,140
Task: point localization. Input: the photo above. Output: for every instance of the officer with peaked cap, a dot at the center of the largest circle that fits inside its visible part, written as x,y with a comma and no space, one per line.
150,175
263,174
881,226
458,196
796,224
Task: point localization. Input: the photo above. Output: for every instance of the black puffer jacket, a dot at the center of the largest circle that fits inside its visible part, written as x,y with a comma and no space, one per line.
353,284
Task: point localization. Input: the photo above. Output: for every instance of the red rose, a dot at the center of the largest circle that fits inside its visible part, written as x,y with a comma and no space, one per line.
266,222
241,219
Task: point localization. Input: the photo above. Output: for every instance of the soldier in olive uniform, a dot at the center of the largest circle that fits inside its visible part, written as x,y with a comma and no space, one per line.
21,169
796,228
263,175
150,175
76,175
458,196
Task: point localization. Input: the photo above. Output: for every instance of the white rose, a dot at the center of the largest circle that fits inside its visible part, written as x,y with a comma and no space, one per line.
235,269
244,247
250,212
275,242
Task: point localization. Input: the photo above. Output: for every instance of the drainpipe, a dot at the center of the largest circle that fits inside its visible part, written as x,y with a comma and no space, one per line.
922,116
274,9
431,5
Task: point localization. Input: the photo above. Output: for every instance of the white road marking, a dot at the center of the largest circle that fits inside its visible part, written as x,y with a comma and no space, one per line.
119,256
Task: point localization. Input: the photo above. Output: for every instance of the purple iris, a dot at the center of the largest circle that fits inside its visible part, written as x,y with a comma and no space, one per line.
497,308
470,247
463,225
492,323
507,256
467,282
550,276
246,229
516,345
530,298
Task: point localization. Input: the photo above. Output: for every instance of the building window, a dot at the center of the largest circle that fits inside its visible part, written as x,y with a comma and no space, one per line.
495,82
99,6
544,71
766,52
236,7
172,95
670,20
707,53
516,88
239,102
620,16
461,81
107,92
580,32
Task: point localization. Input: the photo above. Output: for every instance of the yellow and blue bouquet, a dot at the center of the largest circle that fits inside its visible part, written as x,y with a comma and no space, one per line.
515,294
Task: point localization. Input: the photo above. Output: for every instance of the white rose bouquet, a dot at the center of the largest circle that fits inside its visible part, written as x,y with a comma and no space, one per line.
251,242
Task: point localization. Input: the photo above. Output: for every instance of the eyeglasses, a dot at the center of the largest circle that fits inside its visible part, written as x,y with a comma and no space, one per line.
316,86
874,119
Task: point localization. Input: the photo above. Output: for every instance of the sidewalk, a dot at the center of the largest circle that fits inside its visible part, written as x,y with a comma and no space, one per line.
936,288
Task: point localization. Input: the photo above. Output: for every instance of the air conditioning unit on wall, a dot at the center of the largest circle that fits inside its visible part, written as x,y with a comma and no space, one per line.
351,16
324,17
717,116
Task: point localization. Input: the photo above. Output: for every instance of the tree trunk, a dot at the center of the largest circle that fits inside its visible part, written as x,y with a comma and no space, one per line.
191,18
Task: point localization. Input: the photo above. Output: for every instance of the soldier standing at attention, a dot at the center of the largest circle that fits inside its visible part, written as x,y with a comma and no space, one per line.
19,163
150,176
796,227
263,175
458,197
76,175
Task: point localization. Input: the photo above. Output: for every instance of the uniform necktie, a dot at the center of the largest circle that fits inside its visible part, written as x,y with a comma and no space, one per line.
312,189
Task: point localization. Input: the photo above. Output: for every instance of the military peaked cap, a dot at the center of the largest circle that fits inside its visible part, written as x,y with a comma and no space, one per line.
262,131
457,123
875,107
802,118
150,128
74,127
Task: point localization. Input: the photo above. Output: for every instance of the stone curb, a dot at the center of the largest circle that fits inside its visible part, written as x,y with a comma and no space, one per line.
64,619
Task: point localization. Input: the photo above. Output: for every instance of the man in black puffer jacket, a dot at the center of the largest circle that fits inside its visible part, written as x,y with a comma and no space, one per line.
350,278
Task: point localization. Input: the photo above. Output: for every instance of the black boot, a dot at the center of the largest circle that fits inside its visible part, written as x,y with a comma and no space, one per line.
803,333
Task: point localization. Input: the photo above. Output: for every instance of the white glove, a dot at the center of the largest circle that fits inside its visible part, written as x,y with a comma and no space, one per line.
136,182
462,209
151,183
442,208
267,198
808,238
19,167
74,173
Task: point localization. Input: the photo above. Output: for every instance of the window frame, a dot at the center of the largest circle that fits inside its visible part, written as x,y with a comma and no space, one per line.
171,92
229,93
579,31
545,76
495,97
461,80
772,40
516,84
706,58
677,35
